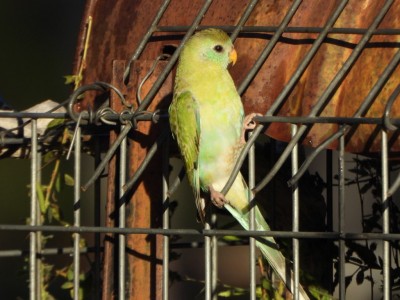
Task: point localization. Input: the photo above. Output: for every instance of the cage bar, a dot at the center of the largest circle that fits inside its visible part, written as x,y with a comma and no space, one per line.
295,220
252,222
342,224
386,217
77,210
165,222
122,216
33,271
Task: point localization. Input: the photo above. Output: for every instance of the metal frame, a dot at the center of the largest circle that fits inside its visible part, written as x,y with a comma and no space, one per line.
127,119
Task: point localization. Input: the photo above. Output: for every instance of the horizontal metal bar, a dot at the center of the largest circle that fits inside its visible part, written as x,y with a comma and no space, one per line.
272,29
33,115
155,117
85,250
46,251
208,232
332,120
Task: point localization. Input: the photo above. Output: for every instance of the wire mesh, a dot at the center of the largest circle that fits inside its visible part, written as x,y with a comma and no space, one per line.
104,116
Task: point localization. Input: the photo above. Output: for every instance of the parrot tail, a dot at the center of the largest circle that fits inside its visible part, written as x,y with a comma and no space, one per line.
268,248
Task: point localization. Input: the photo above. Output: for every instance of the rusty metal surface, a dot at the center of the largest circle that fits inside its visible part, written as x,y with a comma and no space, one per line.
118,27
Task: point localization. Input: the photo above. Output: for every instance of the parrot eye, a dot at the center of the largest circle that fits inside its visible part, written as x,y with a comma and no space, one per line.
219,48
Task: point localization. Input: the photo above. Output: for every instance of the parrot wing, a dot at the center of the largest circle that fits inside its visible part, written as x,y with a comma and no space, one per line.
185,119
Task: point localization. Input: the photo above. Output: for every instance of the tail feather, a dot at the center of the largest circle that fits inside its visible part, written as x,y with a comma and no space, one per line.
268,247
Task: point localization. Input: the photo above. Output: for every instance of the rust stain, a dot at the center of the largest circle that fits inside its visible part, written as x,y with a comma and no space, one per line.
145,251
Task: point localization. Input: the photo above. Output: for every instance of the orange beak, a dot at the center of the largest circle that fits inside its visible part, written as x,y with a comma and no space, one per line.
233,57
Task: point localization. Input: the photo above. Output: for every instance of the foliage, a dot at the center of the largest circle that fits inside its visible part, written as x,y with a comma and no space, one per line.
363,254
48,195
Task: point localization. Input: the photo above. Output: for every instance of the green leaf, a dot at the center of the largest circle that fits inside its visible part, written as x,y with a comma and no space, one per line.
55,213
72,79
67,285
41,197
70,273
57,185
225,294
231,292
319,293
82,277
49,157
55,123
231,238
266,284
69,180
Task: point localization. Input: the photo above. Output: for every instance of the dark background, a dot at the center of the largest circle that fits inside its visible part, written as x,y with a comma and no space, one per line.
38,41
37,49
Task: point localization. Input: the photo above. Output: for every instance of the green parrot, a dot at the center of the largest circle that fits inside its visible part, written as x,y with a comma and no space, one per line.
207,120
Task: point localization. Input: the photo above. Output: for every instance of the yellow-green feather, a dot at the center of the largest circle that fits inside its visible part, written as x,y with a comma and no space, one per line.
206,118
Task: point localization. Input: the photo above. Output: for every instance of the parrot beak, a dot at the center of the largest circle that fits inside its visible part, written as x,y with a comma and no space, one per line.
233,57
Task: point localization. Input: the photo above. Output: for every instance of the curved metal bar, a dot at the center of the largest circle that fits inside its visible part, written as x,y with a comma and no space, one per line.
152,68
99,86
74,96
386,116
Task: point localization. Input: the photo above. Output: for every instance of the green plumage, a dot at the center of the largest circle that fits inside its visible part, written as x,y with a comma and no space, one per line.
206,117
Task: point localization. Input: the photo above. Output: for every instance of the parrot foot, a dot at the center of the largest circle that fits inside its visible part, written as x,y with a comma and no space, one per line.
217,198
248,124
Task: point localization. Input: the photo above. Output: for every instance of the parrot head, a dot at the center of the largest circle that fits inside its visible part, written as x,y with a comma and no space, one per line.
212,47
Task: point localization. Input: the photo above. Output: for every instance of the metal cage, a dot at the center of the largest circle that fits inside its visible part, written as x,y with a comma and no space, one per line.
123,117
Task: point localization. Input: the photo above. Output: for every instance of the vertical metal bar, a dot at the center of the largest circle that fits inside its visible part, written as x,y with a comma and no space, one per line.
342,274
77,209
329,205
214,258
252,216
329,191
122,240
207,259
97,218
33,214
165,179
295,218
39,277
385,207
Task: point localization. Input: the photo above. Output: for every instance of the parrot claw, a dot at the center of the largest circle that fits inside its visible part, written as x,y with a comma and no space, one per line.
248,124
217,198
